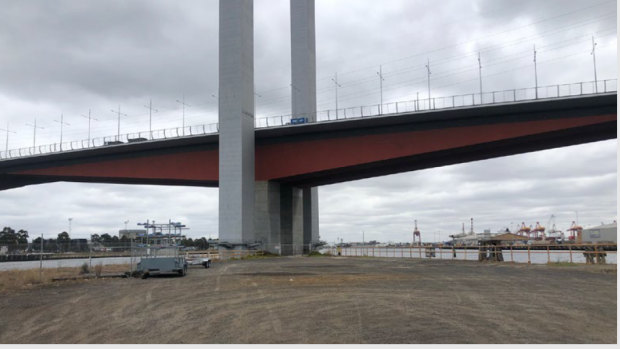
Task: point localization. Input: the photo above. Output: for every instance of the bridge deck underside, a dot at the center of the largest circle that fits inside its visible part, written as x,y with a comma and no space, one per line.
310,156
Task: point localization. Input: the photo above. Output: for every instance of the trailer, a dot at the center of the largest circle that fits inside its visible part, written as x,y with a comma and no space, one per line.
160,260
194,259
162,265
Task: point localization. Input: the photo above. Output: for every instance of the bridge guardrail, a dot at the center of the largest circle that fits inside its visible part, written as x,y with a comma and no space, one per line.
529,254
391,108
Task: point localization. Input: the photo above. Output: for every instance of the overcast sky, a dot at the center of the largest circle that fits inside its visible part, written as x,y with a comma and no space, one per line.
71,56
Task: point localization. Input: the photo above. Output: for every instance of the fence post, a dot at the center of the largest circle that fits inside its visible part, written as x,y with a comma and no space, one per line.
512,259
420,250
41,260
410,252
570,253
402,253
548,255
465,248
529,260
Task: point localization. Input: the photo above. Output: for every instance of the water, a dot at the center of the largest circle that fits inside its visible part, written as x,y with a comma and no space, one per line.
518,256
62,263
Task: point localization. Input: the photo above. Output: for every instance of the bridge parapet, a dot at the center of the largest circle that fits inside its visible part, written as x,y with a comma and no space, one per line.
330,115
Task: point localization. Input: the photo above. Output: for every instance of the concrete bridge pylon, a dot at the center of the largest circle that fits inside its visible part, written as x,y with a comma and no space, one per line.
280,218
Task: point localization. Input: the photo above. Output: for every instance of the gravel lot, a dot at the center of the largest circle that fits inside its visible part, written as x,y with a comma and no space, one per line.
325,300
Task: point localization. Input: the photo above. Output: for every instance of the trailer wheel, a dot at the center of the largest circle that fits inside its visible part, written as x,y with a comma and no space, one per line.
145,275
207,264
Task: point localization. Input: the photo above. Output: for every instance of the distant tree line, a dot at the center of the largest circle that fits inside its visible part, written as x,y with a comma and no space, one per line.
12,239
17,241
200,244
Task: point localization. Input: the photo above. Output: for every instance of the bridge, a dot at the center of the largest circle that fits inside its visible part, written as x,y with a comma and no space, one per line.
268,169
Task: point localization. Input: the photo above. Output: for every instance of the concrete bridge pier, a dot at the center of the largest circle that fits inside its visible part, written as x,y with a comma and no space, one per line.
236,120
279,218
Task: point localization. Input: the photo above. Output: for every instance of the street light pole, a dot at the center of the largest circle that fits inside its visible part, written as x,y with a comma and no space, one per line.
6,149
182,102
428,72
118,137
535,73
150,107
336,84
380,74
480,75
61,122
34,136
89,117
593,53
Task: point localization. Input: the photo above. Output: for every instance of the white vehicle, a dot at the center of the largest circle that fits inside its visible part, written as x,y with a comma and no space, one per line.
197,260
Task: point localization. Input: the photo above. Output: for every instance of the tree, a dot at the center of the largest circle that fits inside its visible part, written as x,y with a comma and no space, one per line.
22,236
62,242
63,237
201,244
8,236
106,238
95,238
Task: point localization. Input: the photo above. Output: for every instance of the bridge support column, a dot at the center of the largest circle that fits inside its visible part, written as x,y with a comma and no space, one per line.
279,218
291,220
311,218
236,120
303,84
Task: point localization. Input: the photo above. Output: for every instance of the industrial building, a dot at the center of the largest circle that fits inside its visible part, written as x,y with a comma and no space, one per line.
131,234
601,233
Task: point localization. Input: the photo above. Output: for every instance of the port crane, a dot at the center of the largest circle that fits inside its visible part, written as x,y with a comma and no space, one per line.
538,229
575,232
416,232
524,231
554,234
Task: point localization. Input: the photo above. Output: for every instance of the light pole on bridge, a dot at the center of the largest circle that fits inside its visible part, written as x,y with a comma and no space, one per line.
535,74
336,85
593,53
6,150
62,123
118,112
182,102
428,76
34,136
380,74
151,109
480,75
89,117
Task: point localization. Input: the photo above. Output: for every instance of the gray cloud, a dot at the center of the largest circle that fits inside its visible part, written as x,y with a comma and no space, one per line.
70,57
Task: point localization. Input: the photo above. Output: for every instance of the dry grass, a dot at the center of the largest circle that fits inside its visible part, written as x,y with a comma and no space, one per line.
14,280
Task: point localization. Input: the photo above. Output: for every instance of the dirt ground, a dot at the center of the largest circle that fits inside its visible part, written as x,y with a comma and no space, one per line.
325,300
